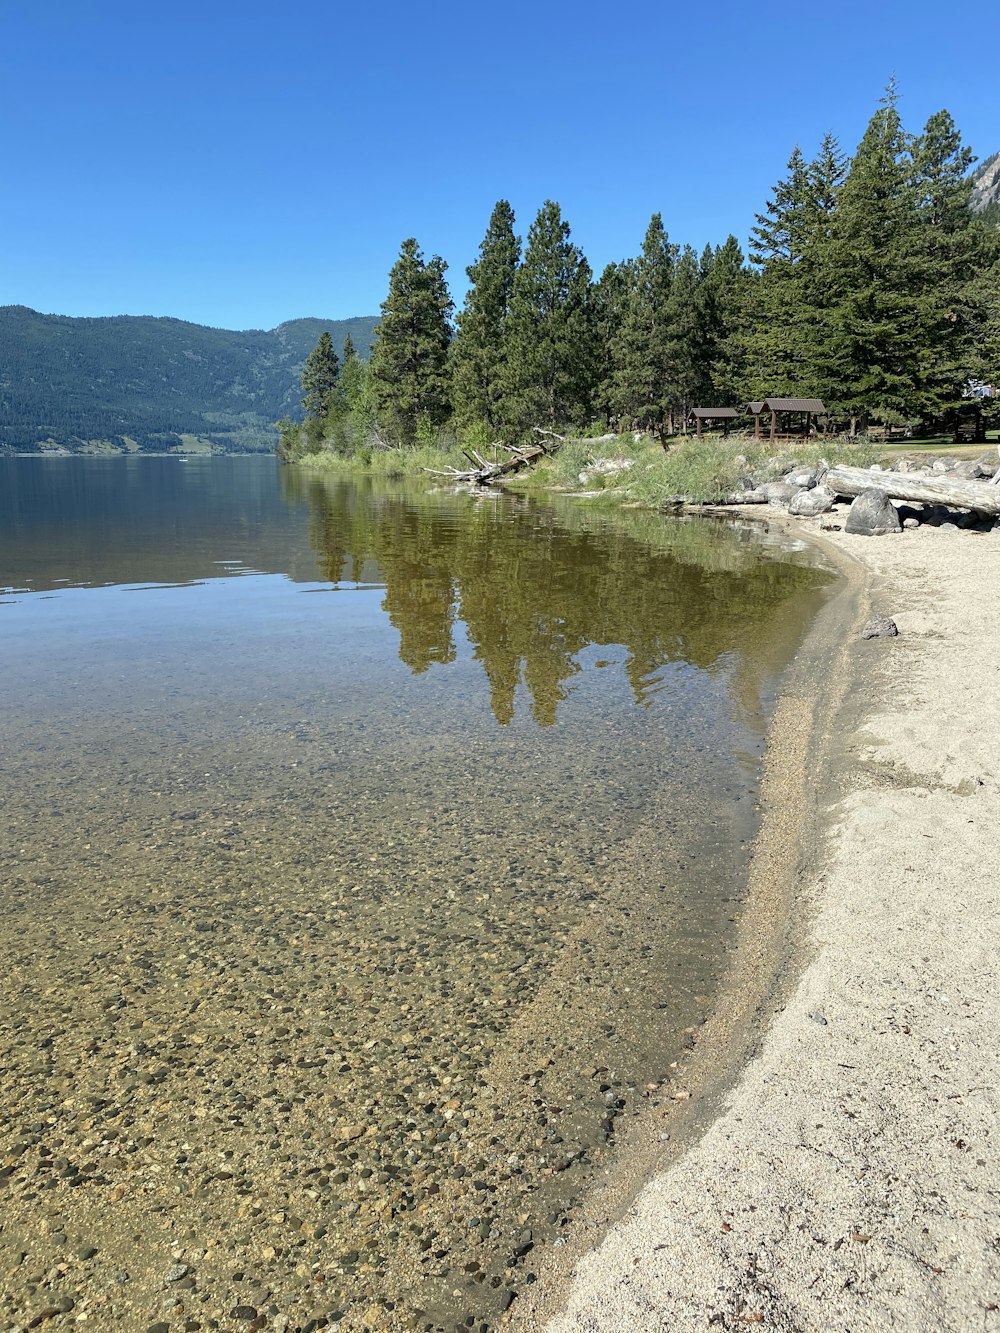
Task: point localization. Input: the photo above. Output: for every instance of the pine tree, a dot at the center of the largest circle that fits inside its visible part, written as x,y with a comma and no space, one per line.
641,378
551,356
776,242
352,382
609,301
319,378
876,345
724,298
988,363
409,361
478,349
686,349
951,254
787,345
815,278
986,306
351,418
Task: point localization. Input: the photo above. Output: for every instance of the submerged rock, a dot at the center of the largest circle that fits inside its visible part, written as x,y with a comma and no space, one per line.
871,515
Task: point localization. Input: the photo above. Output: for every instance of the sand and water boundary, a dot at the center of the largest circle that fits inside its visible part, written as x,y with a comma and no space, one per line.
831,1159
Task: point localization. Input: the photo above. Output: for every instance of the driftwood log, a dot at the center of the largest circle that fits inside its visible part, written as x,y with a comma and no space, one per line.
981,496
483,471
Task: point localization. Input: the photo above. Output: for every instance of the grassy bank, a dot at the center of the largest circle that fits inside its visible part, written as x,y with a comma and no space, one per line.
705,470
421,460
631,469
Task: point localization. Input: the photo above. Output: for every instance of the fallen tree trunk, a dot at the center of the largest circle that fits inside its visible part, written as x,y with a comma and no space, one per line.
978,495
485,472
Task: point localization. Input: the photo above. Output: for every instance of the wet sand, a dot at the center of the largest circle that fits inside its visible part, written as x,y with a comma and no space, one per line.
846,1176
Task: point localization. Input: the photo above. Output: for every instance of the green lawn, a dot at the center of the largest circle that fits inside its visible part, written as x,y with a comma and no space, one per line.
941,444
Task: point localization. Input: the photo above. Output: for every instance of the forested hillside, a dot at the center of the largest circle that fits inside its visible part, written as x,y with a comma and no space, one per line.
142,383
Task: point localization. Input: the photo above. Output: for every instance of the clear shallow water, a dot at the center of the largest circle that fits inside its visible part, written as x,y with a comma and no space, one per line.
368,851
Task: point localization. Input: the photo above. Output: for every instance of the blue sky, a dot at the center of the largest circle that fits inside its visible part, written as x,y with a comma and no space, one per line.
239,164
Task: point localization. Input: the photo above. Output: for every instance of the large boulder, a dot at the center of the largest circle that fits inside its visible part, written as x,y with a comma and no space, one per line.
808,504
872,515
778,492
988,464
967,471
801,477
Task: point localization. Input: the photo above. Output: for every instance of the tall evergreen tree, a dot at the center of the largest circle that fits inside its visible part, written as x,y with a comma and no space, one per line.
876,347
986,307
815,284
319,378
409,360
609,301
686,360
353,380
951,254
641,384
787,341
478,349
551,356
776,244
724,299
351,416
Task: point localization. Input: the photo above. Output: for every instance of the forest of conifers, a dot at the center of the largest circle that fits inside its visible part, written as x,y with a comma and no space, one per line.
872,284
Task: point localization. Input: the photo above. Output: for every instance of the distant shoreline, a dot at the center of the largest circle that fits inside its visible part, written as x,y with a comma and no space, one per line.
140,453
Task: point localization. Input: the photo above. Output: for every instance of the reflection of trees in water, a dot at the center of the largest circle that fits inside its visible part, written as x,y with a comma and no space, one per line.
535,585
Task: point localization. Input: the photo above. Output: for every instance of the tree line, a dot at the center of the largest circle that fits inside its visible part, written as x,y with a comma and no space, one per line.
870,283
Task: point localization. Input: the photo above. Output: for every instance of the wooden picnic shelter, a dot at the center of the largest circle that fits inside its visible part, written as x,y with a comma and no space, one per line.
788,408
704,416
969,425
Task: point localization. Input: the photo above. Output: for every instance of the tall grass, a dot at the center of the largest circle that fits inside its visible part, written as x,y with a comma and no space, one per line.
577,456
704,471
380,462
708,470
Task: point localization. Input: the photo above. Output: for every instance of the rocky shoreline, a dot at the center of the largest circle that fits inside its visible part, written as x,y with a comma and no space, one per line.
864,504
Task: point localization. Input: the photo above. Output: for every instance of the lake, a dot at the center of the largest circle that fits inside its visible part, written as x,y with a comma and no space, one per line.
370,852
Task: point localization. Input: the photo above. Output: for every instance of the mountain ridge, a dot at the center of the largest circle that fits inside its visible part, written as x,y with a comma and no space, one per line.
152,383
986,184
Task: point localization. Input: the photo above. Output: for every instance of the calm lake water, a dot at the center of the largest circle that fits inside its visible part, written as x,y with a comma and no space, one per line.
369,854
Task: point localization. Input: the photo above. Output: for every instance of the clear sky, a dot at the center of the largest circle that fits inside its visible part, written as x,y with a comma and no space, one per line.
240,164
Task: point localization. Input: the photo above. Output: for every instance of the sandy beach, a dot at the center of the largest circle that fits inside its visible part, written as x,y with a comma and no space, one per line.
845,1175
